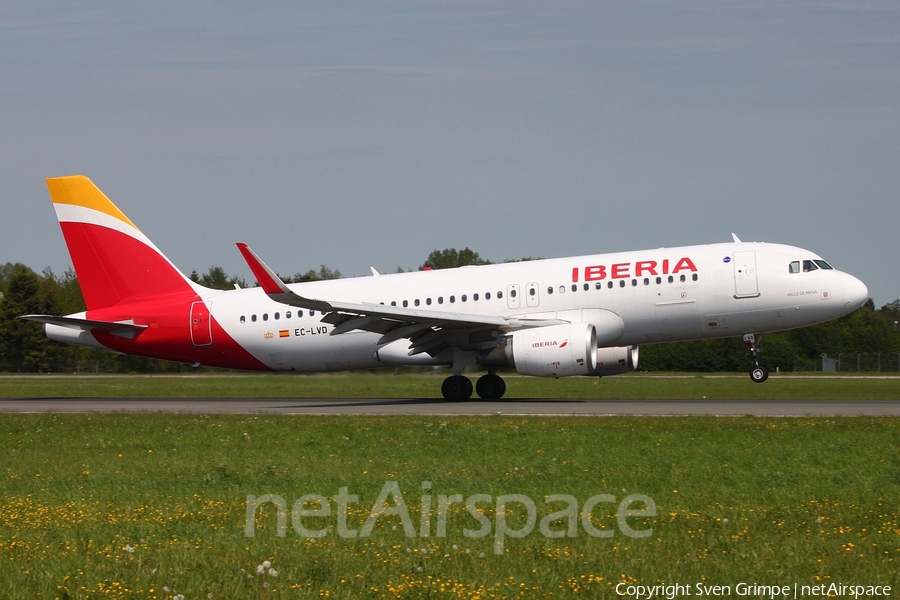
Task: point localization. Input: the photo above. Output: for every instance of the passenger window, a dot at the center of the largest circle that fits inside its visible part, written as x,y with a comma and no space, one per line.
312,313
265,316
532,291
243,319
587,286
416,302
393,303
549,289
808,266
683,278
452,299
598,285
277,316
487,295
287,315
253,318
694,277
499,295
794,267
574,287
428,301
658,280
475,297
512,293
464,298
610,285
622,283
562,289
646,281
633,282
440,299
405,303
671,279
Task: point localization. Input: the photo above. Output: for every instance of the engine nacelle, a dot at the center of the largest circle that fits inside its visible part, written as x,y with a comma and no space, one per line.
615,361
556,351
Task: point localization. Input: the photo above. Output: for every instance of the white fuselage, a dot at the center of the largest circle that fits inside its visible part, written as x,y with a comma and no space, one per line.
662,295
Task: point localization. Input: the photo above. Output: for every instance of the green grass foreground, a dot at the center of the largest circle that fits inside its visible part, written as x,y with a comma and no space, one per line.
382,384
137,506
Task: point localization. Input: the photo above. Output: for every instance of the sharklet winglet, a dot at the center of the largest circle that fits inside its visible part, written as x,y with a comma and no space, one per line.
273,286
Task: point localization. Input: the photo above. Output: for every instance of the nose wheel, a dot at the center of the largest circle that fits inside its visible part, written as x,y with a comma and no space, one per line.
758,373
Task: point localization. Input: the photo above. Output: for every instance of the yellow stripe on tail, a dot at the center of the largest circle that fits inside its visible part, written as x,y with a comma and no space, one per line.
78,190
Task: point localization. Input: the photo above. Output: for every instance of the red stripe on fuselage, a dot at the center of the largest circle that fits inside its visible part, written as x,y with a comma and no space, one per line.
168,334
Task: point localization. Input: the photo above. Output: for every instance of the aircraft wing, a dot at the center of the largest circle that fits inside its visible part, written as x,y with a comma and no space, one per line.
428,330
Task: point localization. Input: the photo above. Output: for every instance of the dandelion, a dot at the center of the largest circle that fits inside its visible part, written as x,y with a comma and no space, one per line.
260,569
129,548
266,564
273,573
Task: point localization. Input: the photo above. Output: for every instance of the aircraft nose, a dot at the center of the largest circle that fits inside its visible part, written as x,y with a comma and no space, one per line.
855,292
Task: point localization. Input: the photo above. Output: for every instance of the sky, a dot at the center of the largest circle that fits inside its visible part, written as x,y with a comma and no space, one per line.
358,134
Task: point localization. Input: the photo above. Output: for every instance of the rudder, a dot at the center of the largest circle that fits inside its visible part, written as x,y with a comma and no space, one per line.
113,260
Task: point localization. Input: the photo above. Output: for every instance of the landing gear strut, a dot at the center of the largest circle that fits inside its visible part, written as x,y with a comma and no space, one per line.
758,373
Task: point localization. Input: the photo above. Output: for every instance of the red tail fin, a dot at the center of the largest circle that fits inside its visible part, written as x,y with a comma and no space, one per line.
114,261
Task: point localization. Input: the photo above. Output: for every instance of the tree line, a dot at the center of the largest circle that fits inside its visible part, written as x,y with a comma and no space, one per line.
869,330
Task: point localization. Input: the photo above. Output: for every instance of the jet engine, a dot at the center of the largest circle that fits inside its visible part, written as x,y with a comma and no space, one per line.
555,351
560,351
615,361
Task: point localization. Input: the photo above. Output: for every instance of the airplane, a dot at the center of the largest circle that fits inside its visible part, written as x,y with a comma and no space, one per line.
573,316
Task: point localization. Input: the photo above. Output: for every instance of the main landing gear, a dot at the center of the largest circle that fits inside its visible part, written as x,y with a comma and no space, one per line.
758,373
459,387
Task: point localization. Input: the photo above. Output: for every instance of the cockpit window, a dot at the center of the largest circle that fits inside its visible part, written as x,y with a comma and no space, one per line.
808,266
794,267
823,265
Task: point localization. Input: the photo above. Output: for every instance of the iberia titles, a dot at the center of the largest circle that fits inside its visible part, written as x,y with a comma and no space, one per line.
641,268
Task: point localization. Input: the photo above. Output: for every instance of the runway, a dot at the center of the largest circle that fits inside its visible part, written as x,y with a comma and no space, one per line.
437,406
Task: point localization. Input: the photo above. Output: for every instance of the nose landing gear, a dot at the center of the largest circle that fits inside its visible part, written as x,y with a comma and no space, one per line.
758,373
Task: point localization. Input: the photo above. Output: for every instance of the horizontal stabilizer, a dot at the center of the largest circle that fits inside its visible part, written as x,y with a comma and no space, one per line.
125,329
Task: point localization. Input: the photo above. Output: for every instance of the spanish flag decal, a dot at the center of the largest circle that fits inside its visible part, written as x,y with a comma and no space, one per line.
284,333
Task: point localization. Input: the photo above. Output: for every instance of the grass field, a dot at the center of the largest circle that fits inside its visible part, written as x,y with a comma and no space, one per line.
141,506
383,384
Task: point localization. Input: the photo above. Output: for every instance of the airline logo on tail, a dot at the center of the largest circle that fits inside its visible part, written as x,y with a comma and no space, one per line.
113,259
